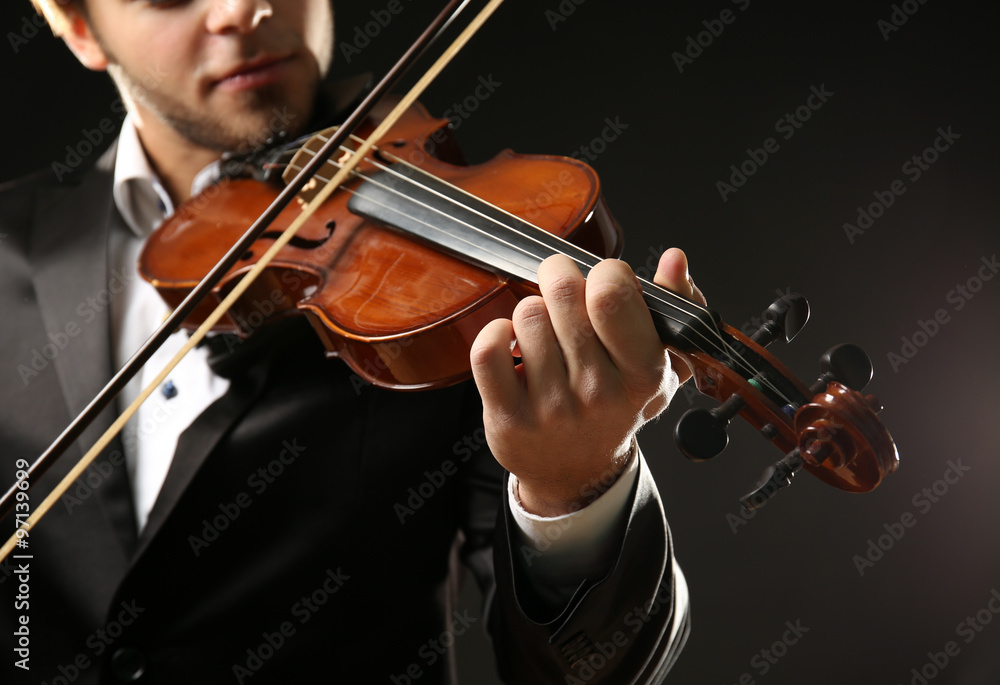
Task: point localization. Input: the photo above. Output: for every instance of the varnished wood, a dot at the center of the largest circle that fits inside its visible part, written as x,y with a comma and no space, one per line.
399,312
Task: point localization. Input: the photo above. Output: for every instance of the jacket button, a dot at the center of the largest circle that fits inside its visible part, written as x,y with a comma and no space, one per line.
128,664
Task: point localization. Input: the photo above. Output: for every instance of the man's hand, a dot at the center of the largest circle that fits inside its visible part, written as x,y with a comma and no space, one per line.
592,372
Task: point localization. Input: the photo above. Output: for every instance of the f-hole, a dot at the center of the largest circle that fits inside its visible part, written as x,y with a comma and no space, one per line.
306,243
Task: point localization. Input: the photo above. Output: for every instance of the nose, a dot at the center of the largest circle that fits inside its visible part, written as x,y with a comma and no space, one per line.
241,16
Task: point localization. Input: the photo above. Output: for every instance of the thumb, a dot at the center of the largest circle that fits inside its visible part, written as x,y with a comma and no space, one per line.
672,273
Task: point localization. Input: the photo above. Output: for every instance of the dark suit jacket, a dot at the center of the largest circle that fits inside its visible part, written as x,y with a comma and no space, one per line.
278,550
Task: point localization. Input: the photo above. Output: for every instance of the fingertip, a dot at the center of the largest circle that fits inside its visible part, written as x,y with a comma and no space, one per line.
673,266
672,270
493,364
610,285
553,265
487,349
617,269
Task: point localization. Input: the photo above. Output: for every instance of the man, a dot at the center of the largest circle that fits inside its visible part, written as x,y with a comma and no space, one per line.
265,520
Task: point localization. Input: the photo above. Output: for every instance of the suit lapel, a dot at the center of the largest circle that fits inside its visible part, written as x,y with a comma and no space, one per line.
197,442
71,280
75,290
75,286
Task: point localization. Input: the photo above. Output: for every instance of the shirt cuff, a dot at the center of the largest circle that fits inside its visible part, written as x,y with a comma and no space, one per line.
574,546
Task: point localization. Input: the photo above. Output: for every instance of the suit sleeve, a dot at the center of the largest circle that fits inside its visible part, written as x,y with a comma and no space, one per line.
626,625
622,619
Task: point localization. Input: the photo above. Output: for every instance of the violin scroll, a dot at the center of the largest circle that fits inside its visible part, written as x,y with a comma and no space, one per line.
841,440
829,428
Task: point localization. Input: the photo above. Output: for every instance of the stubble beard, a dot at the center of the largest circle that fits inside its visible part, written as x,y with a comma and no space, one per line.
261,114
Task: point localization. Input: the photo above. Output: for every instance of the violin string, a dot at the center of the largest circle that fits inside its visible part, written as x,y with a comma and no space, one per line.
540,236
565,248
438,229
724,348
240,287
588,260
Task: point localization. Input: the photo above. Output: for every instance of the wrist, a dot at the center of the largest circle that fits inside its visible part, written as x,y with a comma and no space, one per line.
549,499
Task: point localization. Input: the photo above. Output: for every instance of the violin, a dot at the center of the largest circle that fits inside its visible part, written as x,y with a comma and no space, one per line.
398,273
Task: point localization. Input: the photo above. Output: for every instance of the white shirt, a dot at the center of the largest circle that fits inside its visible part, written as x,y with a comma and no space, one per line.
564,542
150,437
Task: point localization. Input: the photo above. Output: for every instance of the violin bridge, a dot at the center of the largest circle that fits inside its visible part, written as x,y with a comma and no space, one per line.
305,154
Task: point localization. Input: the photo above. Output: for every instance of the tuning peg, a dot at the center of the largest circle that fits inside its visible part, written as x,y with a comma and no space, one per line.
773,479
787,315
701,433
847,364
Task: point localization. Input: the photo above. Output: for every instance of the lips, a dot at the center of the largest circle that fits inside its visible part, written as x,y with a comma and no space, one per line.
255,73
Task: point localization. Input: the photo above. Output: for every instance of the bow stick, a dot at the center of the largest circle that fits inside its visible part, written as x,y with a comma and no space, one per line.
191,301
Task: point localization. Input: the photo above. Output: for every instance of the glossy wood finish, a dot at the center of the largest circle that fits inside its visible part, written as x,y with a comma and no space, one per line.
400,313
841,440
404,315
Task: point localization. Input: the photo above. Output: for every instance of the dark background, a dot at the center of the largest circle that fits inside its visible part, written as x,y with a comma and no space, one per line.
560,79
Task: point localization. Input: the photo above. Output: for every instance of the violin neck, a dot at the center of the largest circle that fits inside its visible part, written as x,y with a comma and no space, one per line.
476,231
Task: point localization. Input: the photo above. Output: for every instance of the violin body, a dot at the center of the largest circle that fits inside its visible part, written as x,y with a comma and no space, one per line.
401,313
399,271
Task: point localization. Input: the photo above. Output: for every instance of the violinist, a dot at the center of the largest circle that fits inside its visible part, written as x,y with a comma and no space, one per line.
265,518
